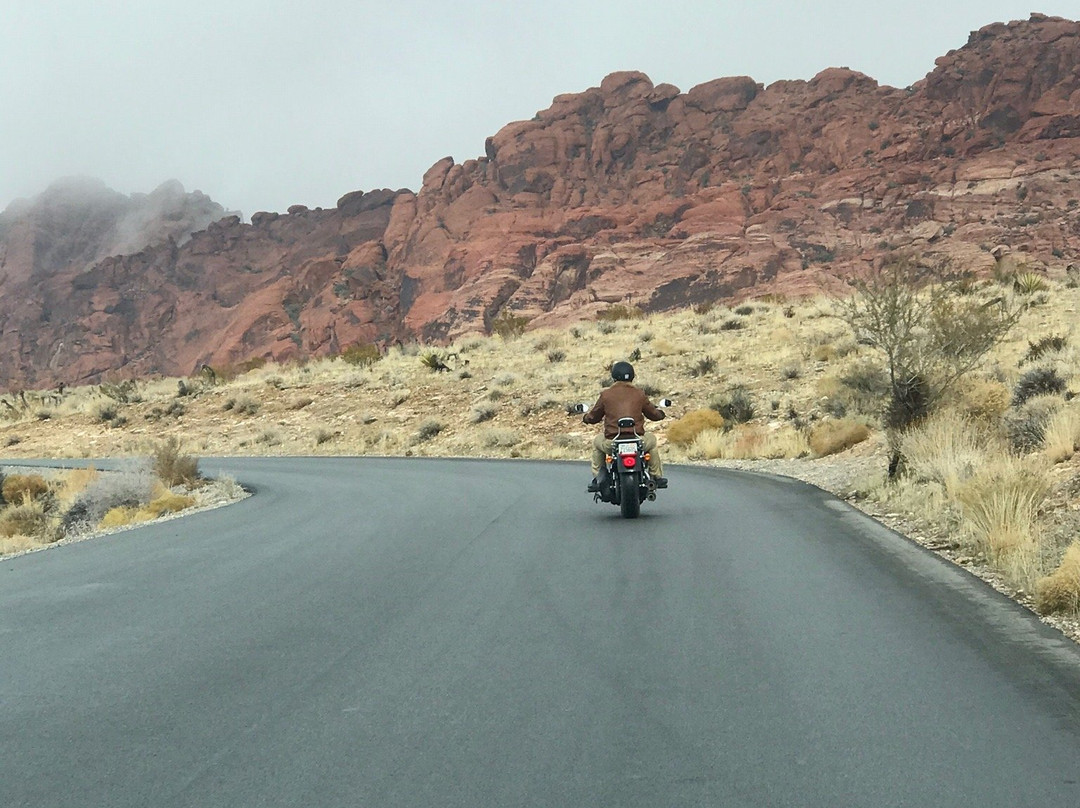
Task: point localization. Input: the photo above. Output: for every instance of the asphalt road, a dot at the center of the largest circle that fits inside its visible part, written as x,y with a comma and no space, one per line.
455,633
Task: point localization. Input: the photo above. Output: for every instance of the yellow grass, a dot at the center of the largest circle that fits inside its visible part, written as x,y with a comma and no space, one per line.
1062,437
749,442
122,516
380,409
830,437
1060,591
949,448
685,430
1000,505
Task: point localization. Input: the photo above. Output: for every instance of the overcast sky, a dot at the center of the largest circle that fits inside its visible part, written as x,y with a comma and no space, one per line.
264,104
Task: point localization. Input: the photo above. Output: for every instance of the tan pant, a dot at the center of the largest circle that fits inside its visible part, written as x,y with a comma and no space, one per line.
602,447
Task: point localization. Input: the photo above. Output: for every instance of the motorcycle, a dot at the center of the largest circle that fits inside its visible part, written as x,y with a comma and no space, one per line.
624,477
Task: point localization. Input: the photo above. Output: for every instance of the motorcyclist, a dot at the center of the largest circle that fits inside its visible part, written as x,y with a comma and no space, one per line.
623,400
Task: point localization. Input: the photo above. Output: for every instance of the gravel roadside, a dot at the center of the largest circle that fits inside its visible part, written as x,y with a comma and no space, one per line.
844,476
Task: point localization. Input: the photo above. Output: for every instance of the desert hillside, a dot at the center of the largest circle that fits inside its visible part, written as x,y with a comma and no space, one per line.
631,192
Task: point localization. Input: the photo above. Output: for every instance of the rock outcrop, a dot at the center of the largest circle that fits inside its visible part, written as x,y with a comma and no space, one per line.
628,192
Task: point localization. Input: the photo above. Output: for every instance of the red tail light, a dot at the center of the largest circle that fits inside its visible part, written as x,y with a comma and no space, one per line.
629,461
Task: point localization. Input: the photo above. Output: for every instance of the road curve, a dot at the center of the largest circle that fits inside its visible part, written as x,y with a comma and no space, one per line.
369,632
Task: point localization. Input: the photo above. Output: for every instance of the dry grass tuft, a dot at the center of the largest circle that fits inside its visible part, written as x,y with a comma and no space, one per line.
1060,591
830,437
685,430
948,448
1000,506
749,442
166,502
1061,437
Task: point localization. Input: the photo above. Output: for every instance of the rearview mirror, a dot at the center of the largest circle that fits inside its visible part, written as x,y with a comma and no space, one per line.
664,402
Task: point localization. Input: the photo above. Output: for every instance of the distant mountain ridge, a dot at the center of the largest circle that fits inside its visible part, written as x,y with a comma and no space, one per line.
628,192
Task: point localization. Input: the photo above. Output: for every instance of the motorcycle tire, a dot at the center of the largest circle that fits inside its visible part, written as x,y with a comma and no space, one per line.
629,501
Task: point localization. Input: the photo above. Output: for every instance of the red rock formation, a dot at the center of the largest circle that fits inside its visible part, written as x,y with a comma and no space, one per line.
627,192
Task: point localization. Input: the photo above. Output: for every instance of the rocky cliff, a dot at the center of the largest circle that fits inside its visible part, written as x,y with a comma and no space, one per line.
628,192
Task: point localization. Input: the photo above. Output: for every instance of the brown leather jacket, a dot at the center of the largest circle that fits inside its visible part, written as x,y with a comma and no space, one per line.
622,400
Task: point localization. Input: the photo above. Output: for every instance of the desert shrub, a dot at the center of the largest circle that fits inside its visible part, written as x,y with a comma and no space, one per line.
703,367
790,373
732,324
361,354
867,383
1025,426
744,311
429,429
619,312
1038,381
823,353
74,483
130,487
107,412
172,466
18,488
499,438
509,325
301,403
683,431
556,355
830,437
1060,590
269,437
1046,345
323,436
242,405
28,519
982,400
125,392
736,406
482,412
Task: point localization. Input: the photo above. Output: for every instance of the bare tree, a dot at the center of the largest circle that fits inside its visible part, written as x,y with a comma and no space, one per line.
932,327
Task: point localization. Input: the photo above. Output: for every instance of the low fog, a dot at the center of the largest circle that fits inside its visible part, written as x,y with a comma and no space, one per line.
262,105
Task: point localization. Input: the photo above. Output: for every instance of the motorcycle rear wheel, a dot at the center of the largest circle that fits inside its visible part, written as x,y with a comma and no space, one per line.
629,501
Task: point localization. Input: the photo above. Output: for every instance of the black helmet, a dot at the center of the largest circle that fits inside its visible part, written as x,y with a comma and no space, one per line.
622,372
